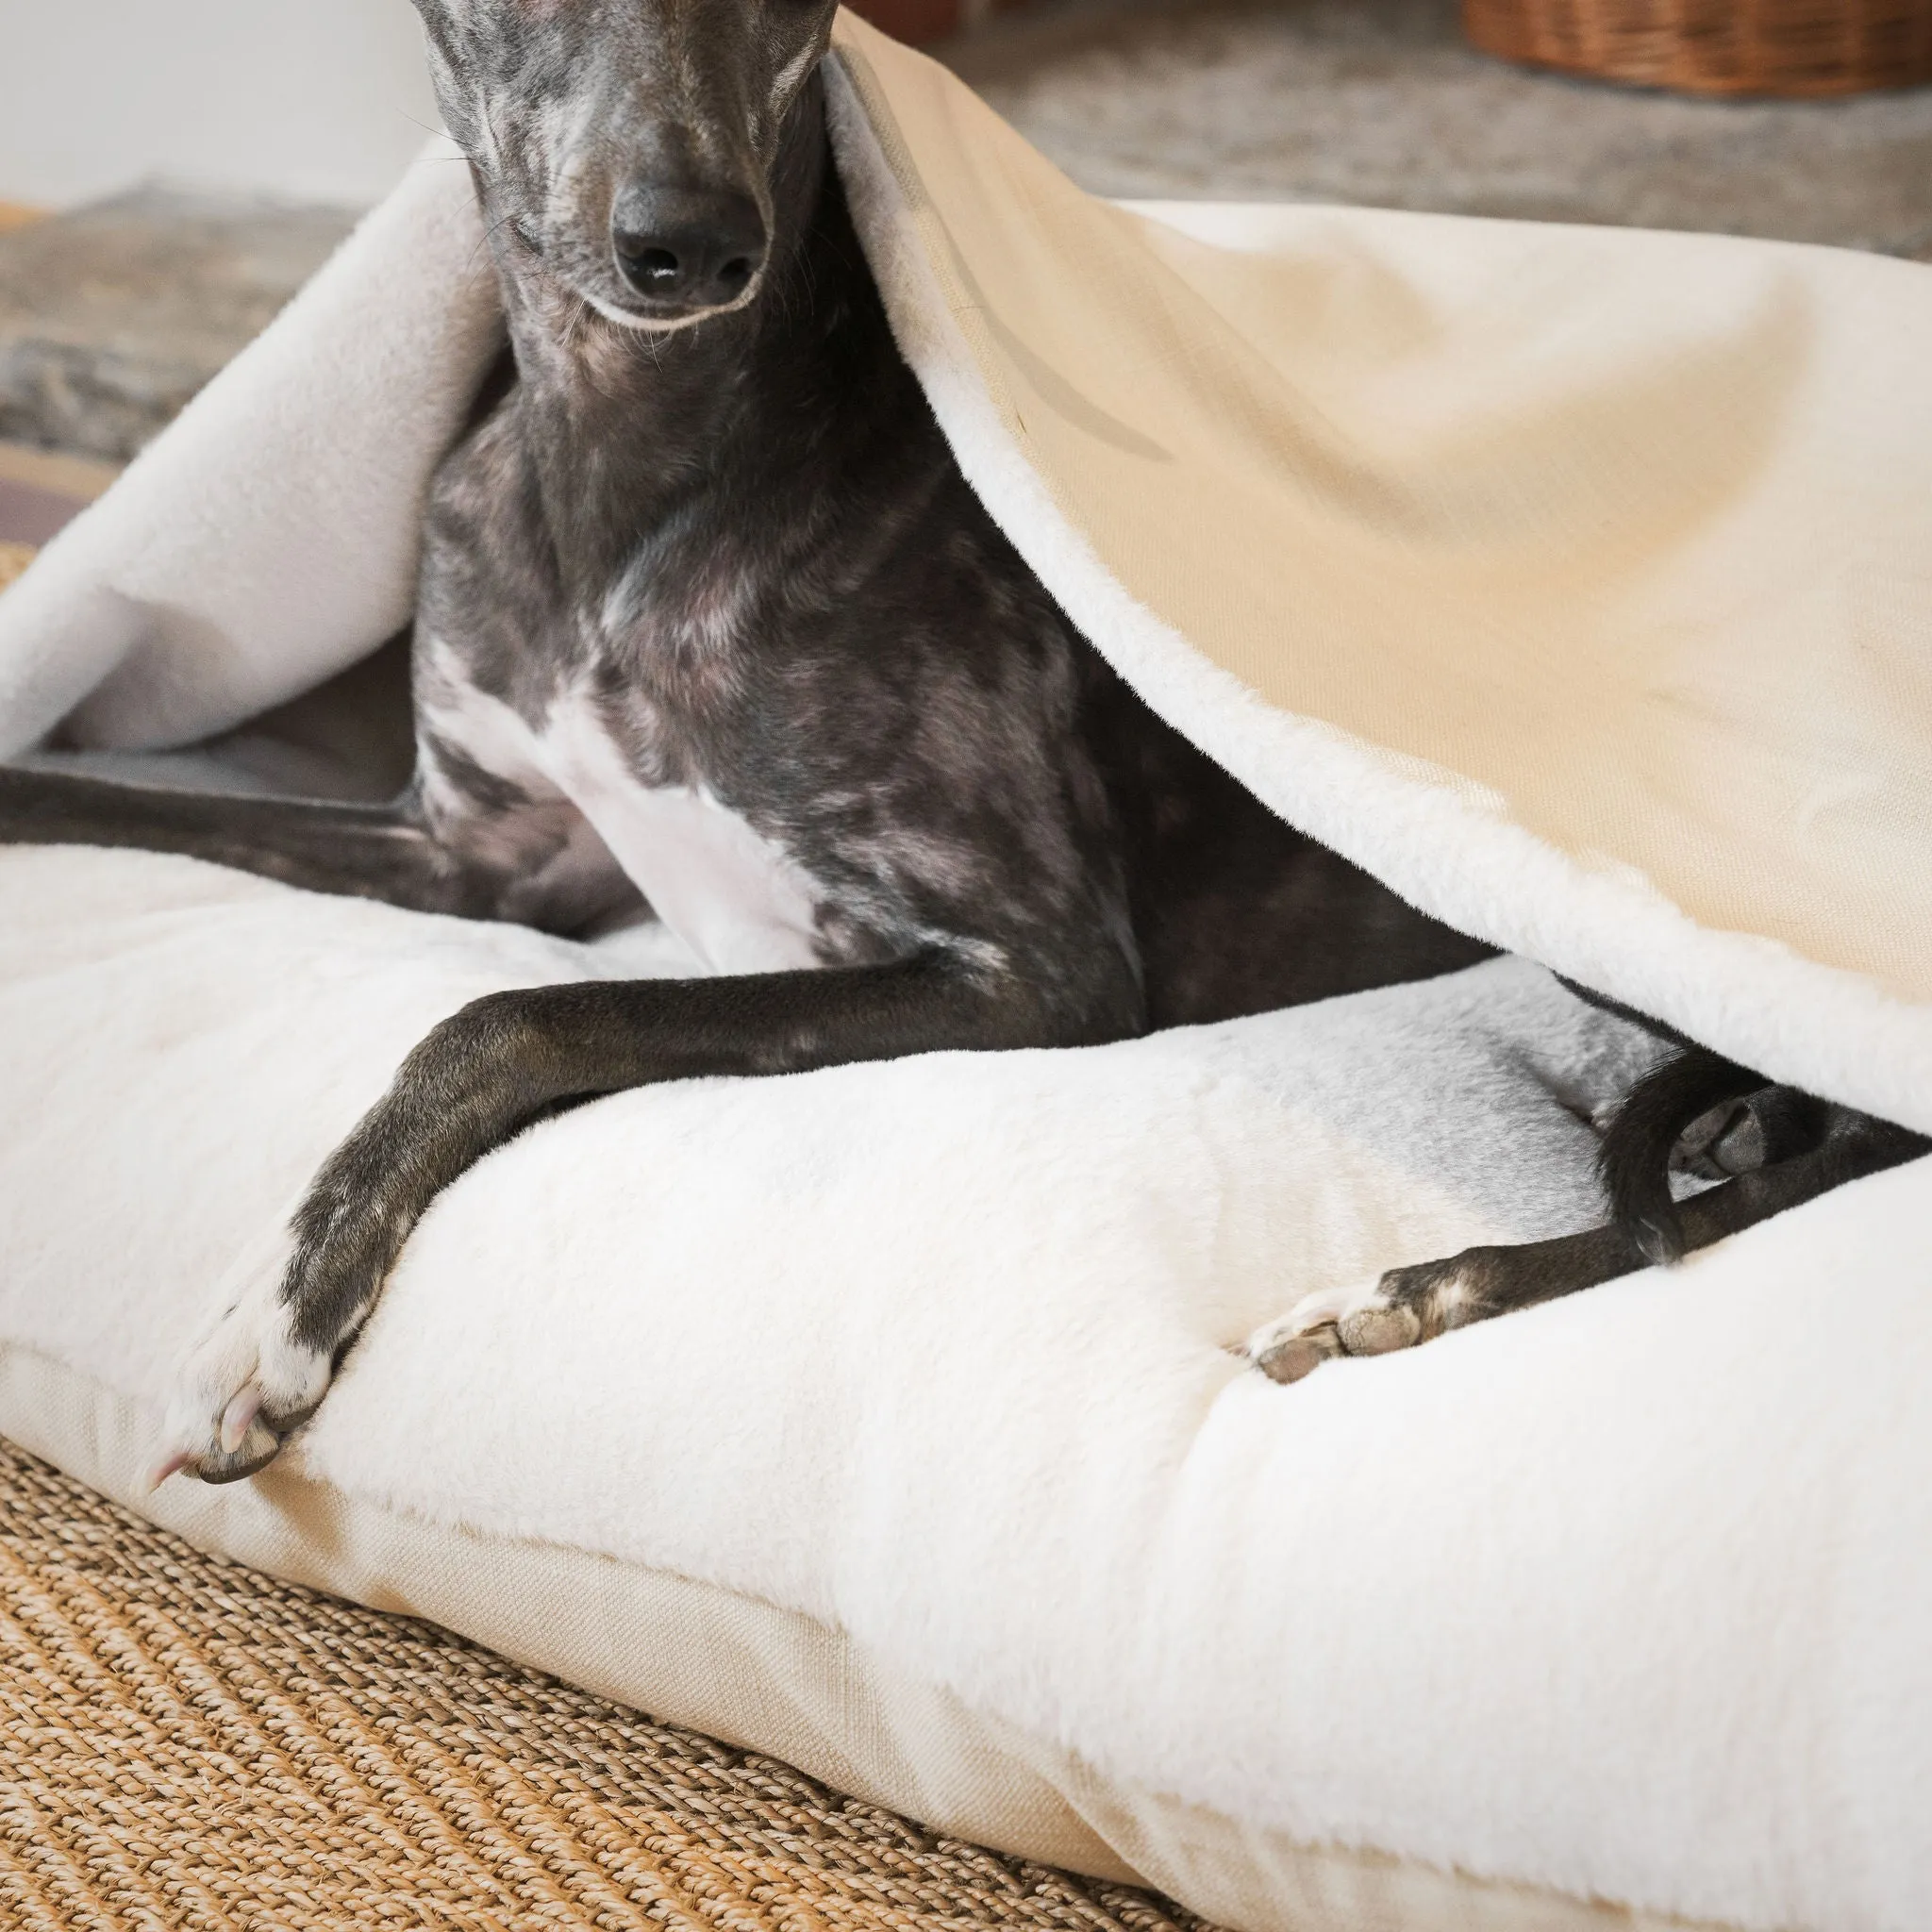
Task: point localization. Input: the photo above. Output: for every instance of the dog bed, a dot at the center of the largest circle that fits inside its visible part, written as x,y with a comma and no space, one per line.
888,1419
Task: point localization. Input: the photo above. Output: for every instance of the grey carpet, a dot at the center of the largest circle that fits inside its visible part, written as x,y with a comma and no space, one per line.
1380,102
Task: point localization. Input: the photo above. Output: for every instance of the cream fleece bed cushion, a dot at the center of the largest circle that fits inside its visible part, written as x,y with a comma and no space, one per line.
1576,583
885,1418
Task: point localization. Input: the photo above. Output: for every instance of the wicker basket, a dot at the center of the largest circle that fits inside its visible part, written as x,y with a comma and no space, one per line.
1768,48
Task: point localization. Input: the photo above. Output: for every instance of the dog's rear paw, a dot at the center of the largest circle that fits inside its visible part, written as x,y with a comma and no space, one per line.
1772,1125
1397,1310
242,1387
1729,1140
1297,1344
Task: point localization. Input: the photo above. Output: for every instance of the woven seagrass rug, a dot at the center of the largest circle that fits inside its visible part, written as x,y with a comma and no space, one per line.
186,1742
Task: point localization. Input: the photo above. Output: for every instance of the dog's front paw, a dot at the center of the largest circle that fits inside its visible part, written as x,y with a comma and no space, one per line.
245,1385
296,1304
1397,1310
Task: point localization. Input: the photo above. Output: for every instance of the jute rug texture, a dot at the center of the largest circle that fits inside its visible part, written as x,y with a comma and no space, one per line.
186,1742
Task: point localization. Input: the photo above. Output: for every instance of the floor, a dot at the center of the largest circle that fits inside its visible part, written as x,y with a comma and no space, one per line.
1381,102
113,316
41,492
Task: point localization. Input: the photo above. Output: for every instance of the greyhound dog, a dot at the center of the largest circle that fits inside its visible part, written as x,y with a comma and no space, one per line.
709,622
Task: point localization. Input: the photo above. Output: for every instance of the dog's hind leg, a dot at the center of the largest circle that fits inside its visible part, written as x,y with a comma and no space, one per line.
1813,1146
510,856
377,852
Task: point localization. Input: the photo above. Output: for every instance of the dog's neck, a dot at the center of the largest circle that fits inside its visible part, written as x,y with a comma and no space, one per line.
623,424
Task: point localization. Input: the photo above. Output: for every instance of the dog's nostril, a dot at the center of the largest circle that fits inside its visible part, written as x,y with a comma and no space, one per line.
656,266
735,272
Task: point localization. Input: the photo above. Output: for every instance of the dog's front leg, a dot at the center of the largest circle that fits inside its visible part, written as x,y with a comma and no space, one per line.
490,1071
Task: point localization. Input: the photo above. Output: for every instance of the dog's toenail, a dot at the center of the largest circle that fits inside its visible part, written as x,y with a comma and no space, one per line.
168,1466
239,1418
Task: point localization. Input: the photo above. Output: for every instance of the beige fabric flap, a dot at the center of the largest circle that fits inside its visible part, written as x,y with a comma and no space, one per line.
1623,539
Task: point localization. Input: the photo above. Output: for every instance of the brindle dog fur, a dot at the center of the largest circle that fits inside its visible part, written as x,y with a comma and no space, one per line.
711,621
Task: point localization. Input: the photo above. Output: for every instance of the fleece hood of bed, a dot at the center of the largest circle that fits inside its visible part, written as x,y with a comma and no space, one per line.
1577,583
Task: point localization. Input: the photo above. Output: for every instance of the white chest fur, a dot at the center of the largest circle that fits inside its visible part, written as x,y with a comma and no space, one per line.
732,895
736,898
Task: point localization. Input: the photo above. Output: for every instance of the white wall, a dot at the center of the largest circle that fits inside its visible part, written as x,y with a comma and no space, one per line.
318,100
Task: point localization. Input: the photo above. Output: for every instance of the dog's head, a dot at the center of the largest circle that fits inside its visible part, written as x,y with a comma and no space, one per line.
629,147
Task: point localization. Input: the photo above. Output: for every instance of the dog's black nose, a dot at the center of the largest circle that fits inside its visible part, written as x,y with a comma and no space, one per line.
696,247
